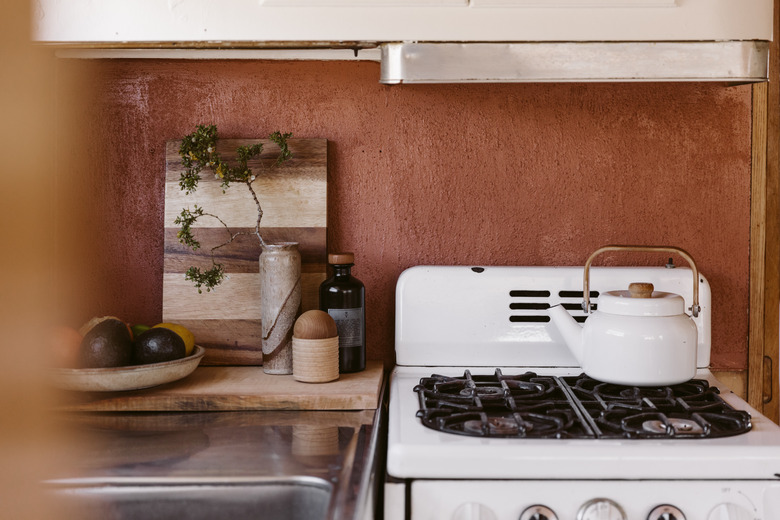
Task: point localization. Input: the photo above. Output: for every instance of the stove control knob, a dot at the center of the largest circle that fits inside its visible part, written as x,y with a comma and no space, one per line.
666,512
601,509
473,511
538,513
727,511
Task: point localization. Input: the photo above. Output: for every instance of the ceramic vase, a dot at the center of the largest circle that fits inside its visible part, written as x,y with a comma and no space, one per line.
280,303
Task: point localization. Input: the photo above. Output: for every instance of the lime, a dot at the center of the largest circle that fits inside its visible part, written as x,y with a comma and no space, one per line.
138,329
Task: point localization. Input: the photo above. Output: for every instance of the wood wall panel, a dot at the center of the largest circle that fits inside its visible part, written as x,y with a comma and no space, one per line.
764,336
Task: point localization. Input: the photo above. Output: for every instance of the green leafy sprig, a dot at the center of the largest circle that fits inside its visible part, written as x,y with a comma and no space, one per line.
186,219
198,150
210,278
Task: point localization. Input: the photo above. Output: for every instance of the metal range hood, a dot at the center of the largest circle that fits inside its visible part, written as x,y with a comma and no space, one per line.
717,61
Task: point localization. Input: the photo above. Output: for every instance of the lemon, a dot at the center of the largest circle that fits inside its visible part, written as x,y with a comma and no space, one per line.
186,335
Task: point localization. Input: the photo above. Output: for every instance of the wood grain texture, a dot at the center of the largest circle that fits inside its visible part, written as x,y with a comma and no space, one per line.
221,302
237,389
757,246
763,388
240,256
769,355
771,344
735,380
226,321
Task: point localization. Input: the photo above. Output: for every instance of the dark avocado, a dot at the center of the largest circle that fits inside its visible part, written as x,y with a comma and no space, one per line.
107,344
157,345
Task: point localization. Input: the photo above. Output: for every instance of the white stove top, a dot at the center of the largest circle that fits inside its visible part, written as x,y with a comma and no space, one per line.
453,318
450,318
415,451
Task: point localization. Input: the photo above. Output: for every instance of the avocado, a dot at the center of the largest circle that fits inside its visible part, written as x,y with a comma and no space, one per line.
107,344
157,345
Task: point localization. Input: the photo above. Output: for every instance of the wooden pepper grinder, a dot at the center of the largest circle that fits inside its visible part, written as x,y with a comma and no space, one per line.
315,347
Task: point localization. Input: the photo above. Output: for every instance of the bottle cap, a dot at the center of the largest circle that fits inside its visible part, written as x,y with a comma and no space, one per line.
341,258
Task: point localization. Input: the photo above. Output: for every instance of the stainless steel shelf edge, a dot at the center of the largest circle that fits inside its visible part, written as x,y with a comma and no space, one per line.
539,62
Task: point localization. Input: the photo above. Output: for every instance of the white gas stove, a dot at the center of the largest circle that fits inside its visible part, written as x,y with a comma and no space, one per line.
491,418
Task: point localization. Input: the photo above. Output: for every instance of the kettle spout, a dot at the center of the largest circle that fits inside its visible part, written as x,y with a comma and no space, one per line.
569,329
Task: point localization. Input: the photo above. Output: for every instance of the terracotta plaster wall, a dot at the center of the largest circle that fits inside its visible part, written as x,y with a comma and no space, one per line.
442,174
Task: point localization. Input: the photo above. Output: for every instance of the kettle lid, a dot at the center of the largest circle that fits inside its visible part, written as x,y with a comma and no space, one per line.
641,300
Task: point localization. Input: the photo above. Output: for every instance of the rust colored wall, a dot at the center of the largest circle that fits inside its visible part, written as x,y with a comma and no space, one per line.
441,174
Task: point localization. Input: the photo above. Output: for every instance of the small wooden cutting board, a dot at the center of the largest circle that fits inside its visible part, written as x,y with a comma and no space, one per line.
226,321
236,388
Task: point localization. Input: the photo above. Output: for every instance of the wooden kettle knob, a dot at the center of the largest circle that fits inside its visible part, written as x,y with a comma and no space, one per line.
641,290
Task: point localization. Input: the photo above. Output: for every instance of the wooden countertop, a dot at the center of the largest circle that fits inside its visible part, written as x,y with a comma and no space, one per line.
234,388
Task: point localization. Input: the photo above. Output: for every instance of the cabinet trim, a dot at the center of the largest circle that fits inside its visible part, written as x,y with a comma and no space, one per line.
764,333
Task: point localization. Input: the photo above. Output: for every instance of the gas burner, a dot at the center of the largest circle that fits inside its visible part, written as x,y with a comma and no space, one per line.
549,424
673,426
496,426
482,391
529,405
620,393
493,388
497,405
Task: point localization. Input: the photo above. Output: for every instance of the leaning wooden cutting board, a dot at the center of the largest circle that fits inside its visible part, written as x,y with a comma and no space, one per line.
226,321
235,389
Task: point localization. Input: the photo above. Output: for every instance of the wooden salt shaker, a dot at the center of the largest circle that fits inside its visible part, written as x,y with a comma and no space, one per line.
315,345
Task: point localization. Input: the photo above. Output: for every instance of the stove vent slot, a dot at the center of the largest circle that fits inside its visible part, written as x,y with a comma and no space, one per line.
530,294
529,319
532,306
574,303
577,294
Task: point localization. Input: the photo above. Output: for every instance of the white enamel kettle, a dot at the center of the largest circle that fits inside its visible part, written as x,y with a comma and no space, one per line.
638,336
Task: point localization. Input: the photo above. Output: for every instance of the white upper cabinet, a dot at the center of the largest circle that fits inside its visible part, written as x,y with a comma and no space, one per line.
574,3
314,22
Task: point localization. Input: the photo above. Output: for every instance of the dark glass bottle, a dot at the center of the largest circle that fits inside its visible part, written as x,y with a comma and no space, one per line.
343,297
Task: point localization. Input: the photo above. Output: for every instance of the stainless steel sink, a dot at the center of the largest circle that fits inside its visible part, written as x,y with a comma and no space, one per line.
291,498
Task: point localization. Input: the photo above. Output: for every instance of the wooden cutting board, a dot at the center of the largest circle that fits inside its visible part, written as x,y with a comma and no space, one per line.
293,196
235,389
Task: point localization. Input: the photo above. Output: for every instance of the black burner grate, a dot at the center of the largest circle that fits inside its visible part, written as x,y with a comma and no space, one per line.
533,406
